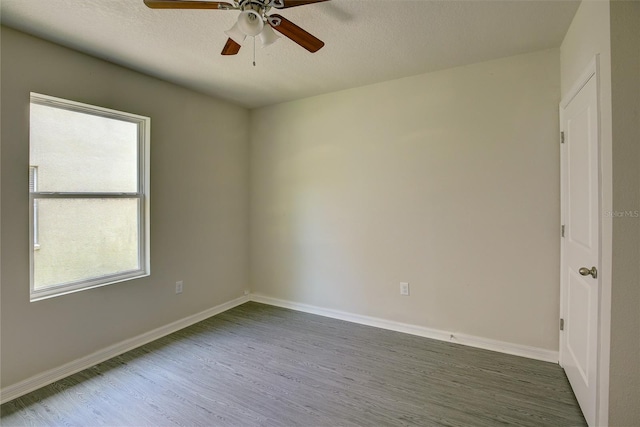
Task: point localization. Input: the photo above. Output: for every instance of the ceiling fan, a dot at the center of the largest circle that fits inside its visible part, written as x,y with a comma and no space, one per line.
253,21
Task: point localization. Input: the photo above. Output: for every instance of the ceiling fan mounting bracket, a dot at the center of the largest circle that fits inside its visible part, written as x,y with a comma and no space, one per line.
259,6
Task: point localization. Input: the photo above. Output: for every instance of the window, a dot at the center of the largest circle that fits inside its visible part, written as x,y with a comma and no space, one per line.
89,196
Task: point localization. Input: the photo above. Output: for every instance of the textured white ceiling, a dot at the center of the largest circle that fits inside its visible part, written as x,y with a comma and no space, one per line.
367,41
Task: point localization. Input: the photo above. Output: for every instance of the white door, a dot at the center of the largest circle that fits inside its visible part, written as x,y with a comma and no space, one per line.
580,284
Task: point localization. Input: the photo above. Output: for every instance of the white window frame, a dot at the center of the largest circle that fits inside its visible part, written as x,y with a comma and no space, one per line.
33,187
142,195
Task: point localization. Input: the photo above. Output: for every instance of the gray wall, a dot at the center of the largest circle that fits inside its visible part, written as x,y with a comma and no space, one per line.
447,180
624,395
199,187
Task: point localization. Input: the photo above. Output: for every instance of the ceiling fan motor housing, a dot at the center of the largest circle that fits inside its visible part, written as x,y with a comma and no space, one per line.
258,6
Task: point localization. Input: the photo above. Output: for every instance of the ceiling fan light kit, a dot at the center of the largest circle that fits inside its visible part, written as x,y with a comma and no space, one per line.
253,21
267,36
235,34
250,23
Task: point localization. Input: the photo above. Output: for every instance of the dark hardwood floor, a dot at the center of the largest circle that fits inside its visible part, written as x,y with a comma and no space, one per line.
257,365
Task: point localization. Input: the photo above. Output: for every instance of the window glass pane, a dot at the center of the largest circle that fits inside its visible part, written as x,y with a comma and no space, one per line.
79,152
84,239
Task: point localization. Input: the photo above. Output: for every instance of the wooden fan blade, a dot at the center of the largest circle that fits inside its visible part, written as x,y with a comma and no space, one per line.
231,48
298,35
294,3
187,4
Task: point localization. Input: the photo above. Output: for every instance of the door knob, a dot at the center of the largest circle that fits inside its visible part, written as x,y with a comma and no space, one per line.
586,272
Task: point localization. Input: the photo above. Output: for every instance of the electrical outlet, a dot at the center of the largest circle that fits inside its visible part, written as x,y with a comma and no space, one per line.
179,287
404,288
246,292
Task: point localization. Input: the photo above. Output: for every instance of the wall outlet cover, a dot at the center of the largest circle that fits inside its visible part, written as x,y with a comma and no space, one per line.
404,288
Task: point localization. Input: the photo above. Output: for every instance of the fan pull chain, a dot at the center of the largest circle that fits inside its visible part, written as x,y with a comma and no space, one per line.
254,51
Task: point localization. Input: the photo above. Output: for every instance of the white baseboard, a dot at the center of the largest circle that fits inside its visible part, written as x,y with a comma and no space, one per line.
468,340
37,381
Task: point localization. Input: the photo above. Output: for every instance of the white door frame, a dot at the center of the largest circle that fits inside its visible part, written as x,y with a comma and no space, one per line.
602,371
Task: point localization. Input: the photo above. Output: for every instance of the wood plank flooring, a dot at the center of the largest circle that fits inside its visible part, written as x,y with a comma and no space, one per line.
258,365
